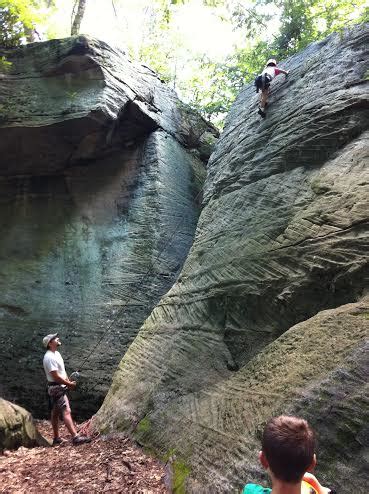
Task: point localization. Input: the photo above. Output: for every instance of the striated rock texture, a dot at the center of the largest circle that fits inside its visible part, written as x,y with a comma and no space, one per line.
100,171
319,369
283,235
17,428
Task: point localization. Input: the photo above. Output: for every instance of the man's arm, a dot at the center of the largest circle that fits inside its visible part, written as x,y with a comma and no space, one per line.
57,378
281,71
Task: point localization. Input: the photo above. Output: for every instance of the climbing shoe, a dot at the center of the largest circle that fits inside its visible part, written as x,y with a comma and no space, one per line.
80,440
261,113
57,441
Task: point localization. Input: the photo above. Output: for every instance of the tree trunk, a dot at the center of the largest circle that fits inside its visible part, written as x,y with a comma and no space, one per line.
31,34
76,24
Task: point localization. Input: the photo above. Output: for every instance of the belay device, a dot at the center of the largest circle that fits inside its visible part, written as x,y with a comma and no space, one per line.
74,376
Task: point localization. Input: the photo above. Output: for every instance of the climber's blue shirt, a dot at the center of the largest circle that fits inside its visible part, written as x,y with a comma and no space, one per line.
255,489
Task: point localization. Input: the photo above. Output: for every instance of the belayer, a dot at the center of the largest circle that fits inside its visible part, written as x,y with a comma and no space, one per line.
57,385
262,82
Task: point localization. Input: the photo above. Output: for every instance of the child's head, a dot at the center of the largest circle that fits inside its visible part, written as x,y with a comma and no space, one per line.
271,62
288,447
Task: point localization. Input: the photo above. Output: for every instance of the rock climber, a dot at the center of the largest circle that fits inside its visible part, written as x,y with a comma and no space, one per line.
262,82
287,454
57,386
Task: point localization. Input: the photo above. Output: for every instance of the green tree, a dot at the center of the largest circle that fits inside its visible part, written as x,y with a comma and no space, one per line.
269,28
19,18
301,22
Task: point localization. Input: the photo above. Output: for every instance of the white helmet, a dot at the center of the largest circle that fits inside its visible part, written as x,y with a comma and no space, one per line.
271,61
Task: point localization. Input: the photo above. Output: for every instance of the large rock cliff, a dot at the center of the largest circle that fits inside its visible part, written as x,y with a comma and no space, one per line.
100,171
283,236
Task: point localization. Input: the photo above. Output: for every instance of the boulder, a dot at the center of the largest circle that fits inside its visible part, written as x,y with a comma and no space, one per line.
100,176
17,428
283,235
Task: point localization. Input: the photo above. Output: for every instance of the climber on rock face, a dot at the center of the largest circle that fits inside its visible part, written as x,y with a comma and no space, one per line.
262,82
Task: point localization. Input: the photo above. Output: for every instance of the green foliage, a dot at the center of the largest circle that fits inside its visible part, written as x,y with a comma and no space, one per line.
18,19
180,473
269,28
297,28
213,85
13,19
144,425
301,22
5,65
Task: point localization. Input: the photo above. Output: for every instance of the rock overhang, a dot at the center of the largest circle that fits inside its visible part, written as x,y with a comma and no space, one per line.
96,154
93,98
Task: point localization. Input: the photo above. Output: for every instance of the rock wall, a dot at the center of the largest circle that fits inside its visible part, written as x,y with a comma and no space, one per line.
283,235
100,172
318,370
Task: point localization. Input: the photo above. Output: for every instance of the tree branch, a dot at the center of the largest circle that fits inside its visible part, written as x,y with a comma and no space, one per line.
115,10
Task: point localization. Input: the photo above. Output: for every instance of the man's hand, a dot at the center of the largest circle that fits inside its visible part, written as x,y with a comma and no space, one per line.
61,380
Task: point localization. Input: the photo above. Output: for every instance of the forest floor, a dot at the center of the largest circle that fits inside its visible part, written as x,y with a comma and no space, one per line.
109,464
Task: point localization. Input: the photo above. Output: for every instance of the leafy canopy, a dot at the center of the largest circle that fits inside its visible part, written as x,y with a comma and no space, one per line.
300,23
264,28
19,18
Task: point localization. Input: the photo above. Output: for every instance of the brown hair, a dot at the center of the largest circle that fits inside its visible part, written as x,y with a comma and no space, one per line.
288,444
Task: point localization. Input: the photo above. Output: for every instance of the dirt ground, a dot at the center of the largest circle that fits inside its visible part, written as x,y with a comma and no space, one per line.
109,464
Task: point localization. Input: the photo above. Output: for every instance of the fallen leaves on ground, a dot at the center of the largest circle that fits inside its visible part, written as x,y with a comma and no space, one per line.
108,464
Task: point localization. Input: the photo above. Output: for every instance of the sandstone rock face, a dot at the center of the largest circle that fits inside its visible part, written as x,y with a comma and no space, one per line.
319,369
100,171
283,235
17,428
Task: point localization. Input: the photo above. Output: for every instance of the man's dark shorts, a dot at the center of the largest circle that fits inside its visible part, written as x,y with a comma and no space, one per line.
58,398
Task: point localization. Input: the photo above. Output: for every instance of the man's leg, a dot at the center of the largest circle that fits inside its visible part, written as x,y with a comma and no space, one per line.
264,98
67,418
263,101
68,421
55,421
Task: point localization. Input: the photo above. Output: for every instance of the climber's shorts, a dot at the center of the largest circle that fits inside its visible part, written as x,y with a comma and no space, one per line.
58,398
262,82
266,80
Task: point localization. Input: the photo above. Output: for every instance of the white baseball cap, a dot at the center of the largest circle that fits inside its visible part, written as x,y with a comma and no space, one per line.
48,338
272,61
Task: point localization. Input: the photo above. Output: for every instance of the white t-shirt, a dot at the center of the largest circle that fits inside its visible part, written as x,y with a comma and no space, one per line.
271,71
53,361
